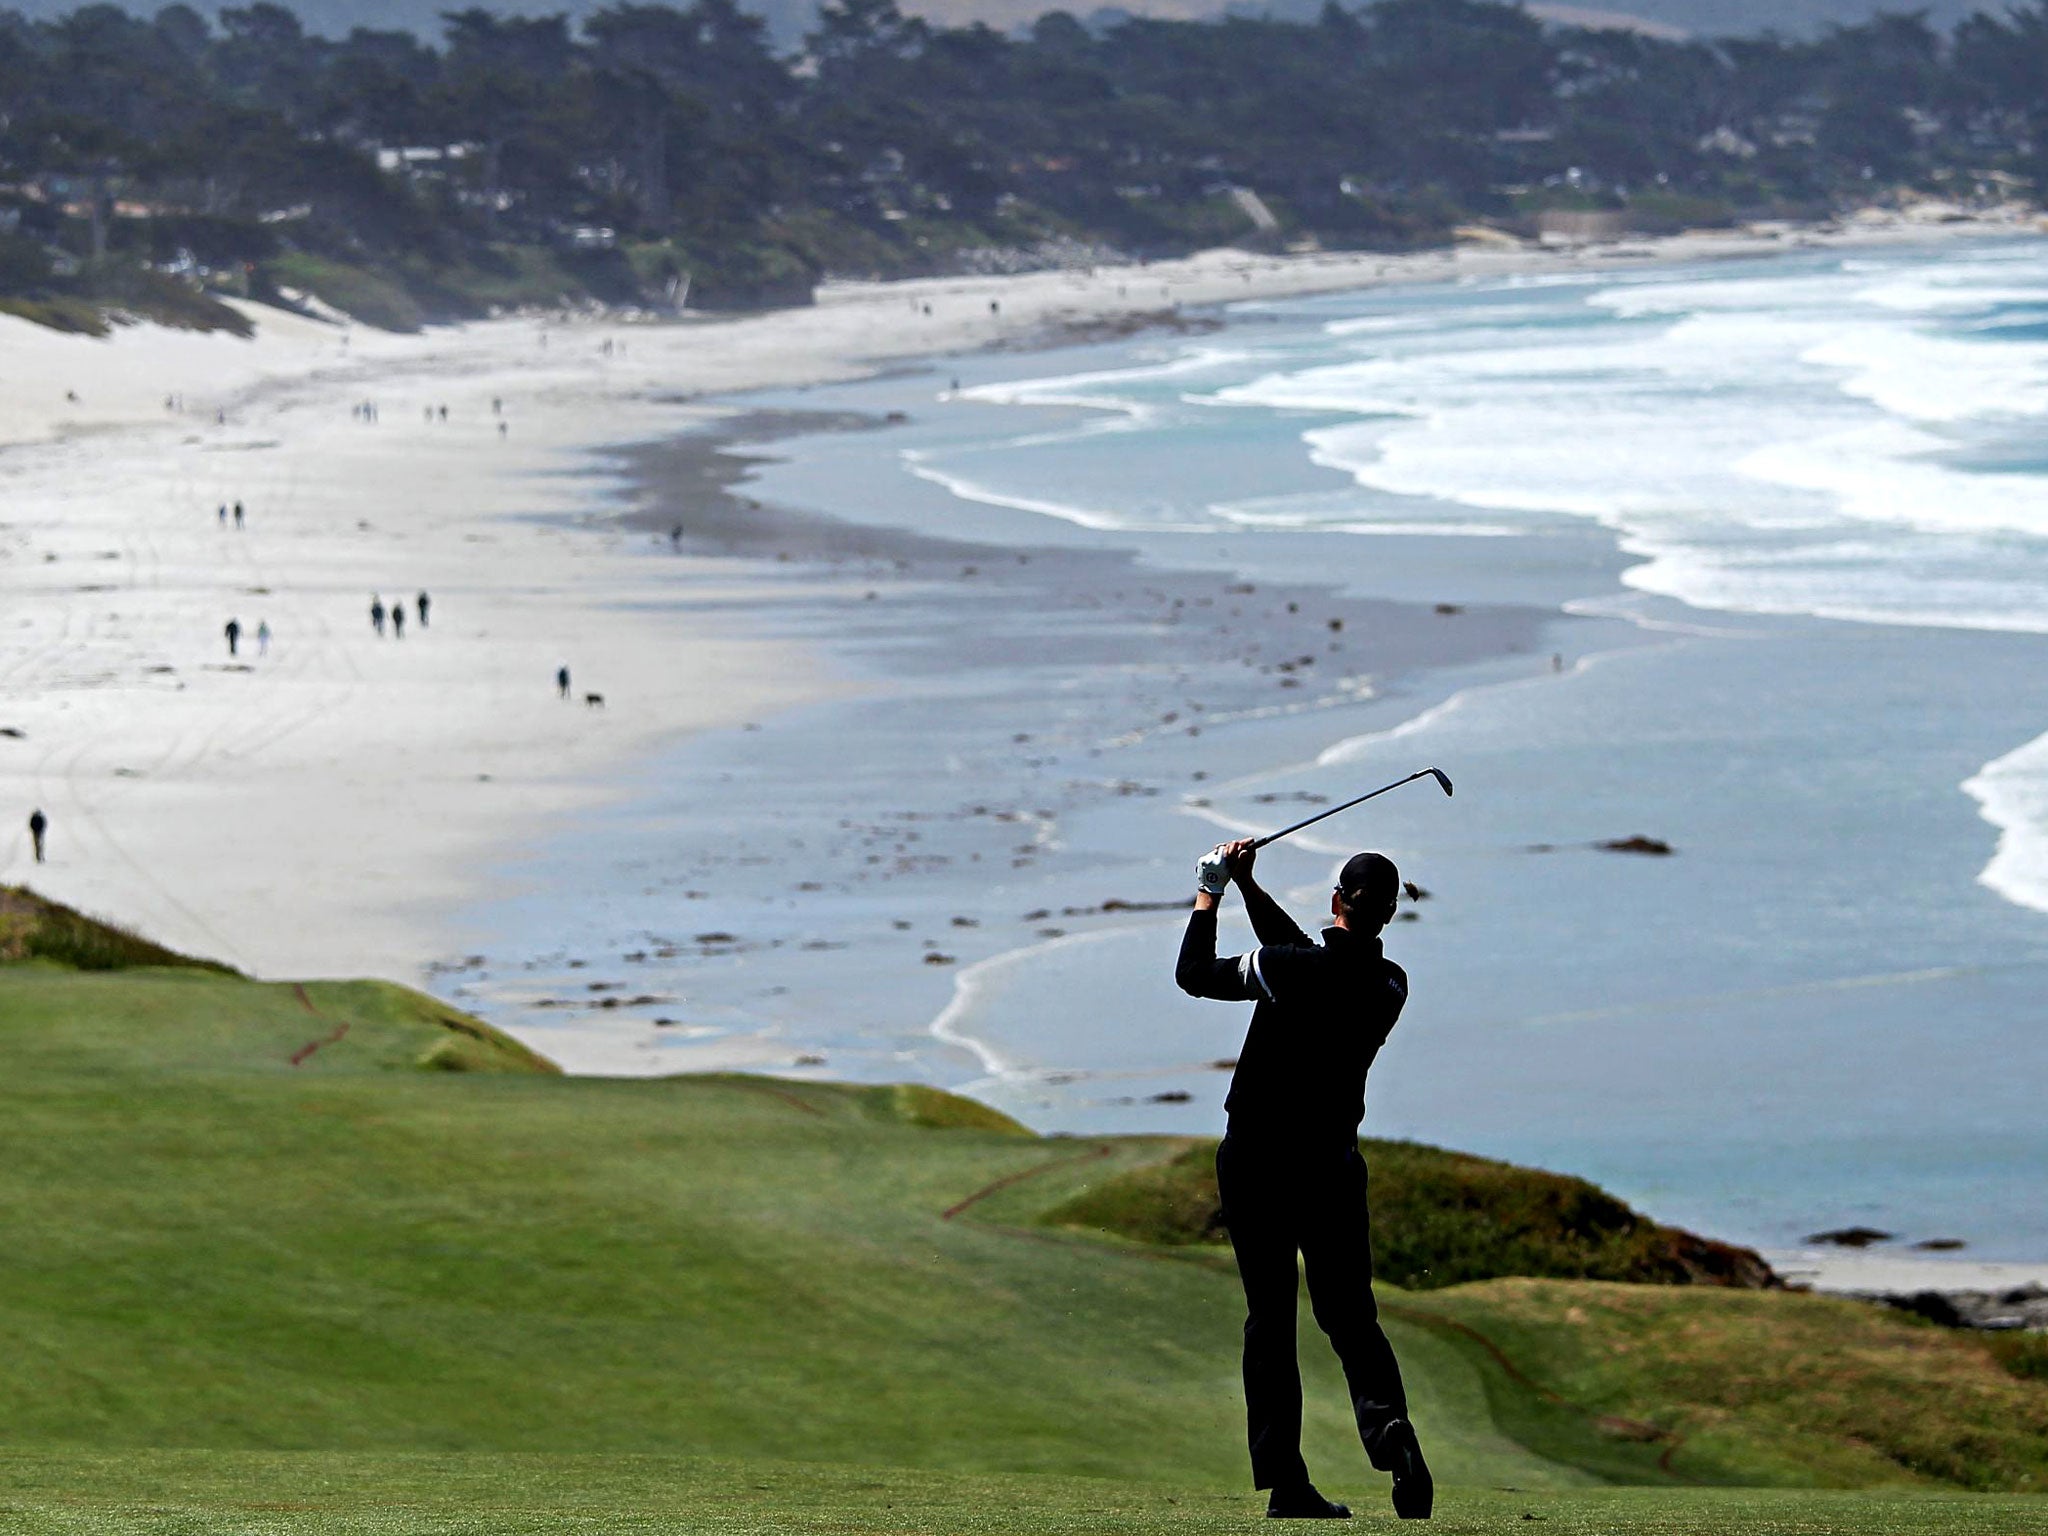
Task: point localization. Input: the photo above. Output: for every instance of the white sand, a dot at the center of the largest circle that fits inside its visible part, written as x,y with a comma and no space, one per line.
317,813
1898,1274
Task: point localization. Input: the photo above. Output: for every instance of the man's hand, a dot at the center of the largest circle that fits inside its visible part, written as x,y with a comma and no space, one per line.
1240,856
1224,863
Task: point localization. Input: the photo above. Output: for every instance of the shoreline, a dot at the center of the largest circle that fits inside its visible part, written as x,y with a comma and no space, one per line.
178,422
973,638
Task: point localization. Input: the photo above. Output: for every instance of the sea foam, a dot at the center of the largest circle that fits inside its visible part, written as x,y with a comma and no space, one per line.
2012,794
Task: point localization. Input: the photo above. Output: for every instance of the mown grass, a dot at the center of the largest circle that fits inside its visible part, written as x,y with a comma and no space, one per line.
250,1286
1439,1218
452,1494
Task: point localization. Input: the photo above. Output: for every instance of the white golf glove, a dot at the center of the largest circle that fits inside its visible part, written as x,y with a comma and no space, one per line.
1212,874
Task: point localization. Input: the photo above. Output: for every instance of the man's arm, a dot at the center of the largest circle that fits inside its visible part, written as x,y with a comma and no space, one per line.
1200,973
1269,919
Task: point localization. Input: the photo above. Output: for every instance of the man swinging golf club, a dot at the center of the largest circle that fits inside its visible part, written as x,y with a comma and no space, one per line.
1289,1170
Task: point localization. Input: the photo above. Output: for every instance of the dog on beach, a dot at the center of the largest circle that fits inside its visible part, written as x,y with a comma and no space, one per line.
593,701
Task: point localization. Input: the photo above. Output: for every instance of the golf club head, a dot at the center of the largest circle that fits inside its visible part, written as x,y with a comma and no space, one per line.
1441,777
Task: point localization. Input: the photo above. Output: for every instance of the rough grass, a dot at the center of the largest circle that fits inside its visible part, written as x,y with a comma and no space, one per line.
34,928
370,297
115,289
2025,1355
129,286
1439,1218
73,316
1800,1390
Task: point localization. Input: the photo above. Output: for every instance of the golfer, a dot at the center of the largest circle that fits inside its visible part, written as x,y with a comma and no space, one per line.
1289,1170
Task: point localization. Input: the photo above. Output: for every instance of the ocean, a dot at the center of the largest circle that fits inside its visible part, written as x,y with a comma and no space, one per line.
1764,549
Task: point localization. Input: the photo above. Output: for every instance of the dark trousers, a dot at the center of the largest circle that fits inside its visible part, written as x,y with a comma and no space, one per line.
1278,1201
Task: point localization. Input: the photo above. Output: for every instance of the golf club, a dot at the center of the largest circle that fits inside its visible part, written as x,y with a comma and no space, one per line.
1438,774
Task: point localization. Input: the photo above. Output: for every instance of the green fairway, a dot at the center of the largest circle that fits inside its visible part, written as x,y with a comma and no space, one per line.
335,1257
425,1494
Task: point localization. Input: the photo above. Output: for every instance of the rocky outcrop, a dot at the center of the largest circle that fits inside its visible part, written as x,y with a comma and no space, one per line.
1849,1237
2026,1307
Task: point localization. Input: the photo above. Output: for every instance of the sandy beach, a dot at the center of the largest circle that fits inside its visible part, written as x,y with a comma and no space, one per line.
315,809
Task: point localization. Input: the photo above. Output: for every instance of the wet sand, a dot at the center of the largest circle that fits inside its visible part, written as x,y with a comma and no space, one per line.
1021,760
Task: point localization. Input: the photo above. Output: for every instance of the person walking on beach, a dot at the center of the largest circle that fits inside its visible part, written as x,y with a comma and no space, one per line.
423,602
398,620
263,637
234,634
38,824
377,614
1289,1170
562,682
238,517
223,514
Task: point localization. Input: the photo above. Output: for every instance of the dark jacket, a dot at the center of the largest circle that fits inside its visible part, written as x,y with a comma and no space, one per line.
1324,1010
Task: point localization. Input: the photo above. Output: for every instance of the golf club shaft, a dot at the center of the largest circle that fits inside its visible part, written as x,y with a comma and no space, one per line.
1426,773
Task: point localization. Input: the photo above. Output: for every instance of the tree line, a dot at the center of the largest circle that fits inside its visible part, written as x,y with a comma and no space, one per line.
651,143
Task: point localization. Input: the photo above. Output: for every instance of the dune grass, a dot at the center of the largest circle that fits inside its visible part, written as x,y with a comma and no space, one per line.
242,1294
35,928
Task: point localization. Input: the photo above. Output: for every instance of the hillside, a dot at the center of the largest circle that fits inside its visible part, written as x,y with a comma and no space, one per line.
1439,1218
245,1222
660,158
790,19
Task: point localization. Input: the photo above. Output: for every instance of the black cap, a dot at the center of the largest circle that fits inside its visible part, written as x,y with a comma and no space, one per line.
1369,881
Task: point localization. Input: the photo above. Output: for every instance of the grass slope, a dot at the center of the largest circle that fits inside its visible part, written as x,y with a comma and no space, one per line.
1439,1218
243,1294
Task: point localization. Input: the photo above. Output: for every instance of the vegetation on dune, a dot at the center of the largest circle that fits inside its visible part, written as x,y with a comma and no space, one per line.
368,296
35,928
646,153
1439,1218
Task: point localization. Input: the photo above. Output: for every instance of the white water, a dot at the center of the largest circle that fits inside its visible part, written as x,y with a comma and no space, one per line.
1860,439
